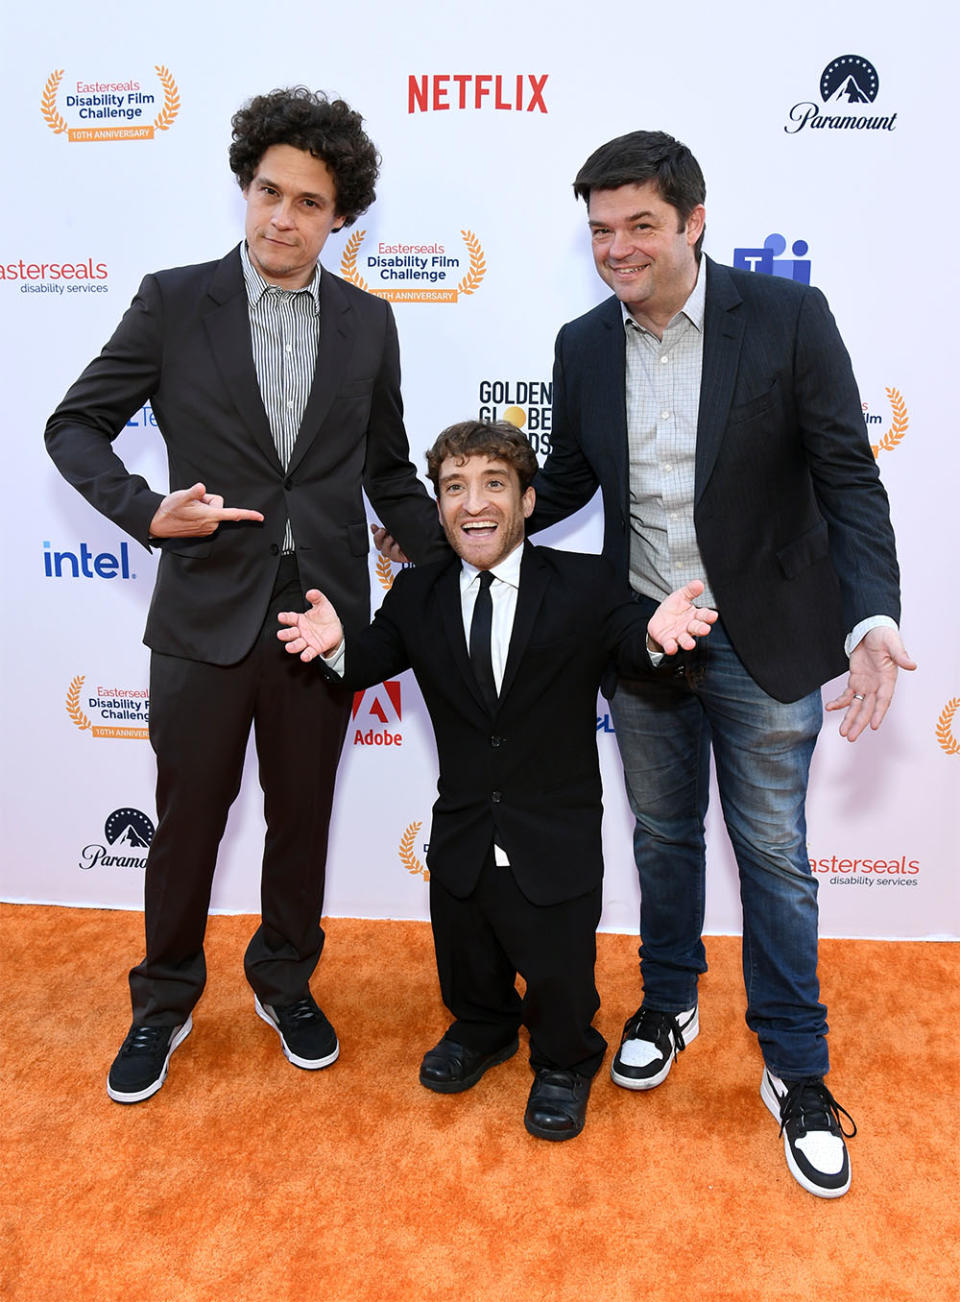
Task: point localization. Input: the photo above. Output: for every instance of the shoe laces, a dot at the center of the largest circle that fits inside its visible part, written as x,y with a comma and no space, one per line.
303,1010
652,1025
813,1107
145,1040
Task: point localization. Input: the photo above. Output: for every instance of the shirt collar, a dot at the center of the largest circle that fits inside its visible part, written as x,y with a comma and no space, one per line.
693,309
508,570
256,285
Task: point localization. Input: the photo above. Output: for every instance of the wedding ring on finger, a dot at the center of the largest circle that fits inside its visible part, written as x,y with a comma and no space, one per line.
858,696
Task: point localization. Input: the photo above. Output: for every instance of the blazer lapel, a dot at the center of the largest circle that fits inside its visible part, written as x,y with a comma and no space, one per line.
723,330
451,615
227,324
332,350
534,578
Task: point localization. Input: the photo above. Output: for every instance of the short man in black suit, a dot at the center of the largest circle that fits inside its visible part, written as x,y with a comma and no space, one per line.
717,412
275,386
509,644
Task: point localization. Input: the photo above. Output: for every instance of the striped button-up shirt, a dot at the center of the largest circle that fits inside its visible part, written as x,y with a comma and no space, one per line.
284,331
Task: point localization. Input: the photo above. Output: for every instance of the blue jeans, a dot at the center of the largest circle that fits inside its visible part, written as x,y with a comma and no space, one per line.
762,749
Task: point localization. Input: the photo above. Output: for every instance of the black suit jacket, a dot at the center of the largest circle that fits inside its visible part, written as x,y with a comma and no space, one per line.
791,518
184,344
526,775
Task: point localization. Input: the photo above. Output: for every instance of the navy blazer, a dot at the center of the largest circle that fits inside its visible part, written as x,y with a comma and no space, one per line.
527,774
791,518
184,344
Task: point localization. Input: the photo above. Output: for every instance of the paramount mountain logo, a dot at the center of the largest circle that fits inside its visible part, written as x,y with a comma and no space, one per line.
849,82
128,833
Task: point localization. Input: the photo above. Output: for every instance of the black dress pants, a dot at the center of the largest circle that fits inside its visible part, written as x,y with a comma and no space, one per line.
200,719
484,940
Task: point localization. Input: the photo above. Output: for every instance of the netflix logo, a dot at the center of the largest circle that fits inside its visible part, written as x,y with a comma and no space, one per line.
520,93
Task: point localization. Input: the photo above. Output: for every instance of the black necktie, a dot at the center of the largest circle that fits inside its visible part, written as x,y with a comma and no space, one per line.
480,628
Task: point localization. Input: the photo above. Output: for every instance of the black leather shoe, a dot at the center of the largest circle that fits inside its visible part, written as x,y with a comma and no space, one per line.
557,1106
449,1067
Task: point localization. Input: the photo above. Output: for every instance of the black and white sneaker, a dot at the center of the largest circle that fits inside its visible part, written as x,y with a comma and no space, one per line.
140,1068
308,1039
813,1134
649,1046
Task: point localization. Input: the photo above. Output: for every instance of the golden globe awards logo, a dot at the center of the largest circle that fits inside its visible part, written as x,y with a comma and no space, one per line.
414,273
894,424
528,404
407,852
86,111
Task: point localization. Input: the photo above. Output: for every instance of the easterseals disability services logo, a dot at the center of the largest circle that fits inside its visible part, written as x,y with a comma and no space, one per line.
528,404
376,714
945,736
91,111
502,92
848,87
407,851
893,426
55,276
428,272
127,834
868,871
118,713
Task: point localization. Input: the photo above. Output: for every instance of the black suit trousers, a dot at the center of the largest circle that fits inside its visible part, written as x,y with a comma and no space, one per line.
200,719
484,940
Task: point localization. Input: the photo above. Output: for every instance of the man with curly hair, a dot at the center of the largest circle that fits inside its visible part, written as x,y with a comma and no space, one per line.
276,388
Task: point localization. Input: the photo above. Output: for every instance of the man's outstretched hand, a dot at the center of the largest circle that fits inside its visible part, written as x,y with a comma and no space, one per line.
311,633
677,623
874,663
195,513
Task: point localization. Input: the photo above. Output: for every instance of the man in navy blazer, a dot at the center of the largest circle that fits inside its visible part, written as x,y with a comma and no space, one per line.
275,386
515,854
718,414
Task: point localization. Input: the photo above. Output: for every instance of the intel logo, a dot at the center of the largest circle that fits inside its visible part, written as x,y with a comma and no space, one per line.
85,564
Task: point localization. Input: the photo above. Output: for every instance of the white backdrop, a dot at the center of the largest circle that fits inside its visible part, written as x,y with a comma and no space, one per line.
483,116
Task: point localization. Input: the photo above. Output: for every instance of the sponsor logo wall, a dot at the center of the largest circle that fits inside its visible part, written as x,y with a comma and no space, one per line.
482,251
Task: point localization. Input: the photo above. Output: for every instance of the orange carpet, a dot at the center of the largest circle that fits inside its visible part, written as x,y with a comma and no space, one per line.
247,1180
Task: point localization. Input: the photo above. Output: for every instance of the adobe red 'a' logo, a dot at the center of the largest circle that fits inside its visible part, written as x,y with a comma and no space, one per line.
379,708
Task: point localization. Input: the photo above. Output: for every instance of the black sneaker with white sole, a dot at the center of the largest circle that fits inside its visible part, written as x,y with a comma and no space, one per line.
813,1134
308,1039
649,1046
140,1068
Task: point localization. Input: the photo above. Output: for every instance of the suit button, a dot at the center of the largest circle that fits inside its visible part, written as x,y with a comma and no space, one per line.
274,549
496,796
288,484
496,741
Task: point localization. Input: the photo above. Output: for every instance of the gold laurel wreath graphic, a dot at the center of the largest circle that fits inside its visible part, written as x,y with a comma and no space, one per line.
899,426
348,263
48,103
478,267
384,572
171,99
73,702
407,857
944,731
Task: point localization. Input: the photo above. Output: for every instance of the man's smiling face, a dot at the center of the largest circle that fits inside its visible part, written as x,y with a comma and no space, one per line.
482,509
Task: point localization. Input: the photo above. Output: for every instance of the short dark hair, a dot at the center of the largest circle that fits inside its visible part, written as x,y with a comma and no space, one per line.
484,438
328,129
642,156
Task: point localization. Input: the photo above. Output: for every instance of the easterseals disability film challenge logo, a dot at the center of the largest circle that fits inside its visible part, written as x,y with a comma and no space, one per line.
887,431
92,110
430,272
118,713
407,851
848,87
127,833
945,736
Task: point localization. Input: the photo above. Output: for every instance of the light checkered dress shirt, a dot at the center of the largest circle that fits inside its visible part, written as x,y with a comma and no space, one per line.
284,331
663,399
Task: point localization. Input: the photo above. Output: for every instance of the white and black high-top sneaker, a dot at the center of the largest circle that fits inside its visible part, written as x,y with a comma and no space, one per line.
813,1134
649,1046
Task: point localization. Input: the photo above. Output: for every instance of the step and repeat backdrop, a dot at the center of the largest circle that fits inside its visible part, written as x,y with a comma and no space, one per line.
825,136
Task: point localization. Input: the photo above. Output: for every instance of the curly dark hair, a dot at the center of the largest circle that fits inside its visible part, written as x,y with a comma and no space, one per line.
484,438
328,129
